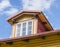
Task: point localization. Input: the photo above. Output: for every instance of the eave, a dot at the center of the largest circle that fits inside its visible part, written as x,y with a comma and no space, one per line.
38,13
49,33
23,11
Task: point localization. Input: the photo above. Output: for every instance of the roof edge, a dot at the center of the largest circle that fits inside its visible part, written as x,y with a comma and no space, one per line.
22,11
47,20
44,33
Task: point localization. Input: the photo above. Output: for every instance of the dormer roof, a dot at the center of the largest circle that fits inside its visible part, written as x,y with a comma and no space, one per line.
33,12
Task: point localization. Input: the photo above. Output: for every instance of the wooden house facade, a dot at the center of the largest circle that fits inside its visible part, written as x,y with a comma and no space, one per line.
31,29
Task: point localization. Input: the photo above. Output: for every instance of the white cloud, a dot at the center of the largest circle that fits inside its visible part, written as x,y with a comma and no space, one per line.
5,4
27,5
11,11
37,4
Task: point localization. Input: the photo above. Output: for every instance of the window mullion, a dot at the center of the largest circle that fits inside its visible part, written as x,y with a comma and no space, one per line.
21,30
32,27
27,28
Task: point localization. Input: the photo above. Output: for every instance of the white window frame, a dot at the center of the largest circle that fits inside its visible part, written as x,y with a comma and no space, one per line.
26,27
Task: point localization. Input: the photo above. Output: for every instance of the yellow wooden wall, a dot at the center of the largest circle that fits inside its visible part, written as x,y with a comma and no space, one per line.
49,41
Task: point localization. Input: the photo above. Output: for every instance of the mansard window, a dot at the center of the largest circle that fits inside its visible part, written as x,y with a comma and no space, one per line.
29,27
18,29
24,28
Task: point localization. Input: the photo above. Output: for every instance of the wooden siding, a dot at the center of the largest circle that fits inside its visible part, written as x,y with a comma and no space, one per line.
41,27
52,40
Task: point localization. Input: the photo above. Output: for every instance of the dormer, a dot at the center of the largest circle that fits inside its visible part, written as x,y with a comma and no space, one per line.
28,23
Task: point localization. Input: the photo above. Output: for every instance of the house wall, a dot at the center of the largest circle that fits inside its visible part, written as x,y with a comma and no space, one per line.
52,40
13,31
41,27
22,19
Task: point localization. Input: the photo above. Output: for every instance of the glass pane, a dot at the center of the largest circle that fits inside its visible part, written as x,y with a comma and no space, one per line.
29,27
18,29
30,23
24,29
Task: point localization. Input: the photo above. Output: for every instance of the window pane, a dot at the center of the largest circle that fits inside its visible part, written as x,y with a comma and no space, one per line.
18,29
29,27
24,29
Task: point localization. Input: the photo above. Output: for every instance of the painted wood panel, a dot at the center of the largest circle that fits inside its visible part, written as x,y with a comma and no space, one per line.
49,41
41,27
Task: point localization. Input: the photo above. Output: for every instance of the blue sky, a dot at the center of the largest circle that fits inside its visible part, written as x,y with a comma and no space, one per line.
51,8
